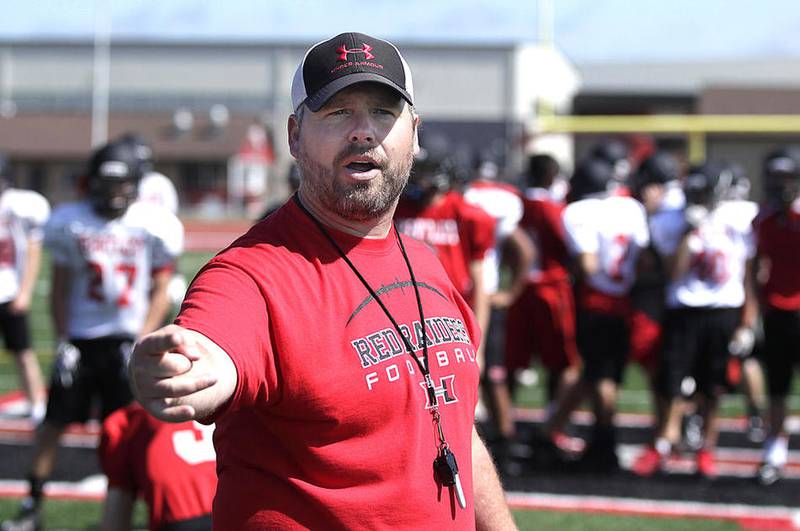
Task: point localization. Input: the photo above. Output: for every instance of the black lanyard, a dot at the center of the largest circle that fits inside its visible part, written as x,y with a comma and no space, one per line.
424,368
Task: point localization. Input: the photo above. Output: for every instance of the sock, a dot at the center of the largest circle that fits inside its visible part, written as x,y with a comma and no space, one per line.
663,446
776,451
36,489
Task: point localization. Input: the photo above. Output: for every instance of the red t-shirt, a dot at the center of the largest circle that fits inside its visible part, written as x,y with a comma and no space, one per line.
541,219
170,465
328,427
459,232
778,237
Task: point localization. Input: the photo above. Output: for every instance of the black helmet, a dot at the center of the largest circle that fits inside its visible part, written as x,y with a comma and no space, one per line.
659,168
707,184
781,174
144,153
615,152
113,177
433,170
592,176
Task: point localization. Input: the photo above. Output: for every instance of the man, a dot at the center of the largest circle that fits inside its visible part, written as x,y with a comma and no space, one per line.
23,214
502,202
334,356
711,309
605,234
778,242
112,259
542,320
172,466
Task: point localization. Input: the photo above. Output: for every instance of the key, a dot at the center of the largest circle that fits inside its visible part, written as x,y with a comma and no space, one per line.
446,470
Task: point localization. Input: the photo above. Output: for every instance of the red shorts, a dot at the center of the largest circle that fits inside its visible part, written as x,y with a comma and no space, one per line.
645,339
542,322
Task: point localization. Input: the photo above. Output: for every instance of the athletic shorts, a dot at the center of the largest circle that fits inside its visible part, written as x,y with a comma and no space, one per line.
200,523
542,322
782,349
15,329
603,341
696,344
100,375
645,339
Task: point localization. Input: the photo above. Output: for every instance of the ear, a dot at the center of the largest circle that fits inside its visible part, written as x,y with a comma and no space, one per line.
293,128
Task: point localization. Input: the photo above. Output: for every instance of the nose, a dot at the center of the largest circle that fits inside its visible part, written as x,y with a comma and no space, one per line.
363,130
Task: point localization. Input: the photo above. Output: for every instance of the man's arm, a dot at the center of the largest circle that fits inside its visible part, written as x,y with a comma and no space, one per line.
480,304
158,305
117,510
491,510
34,259
179,374
524,253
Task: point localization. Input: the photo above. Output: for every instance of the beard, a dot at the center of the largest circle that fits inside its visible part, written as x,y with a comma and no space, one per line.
357,201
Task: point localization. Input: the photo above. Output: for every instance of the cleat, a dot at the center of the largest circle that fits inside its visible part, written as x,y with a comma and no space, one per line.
648,463
570,446
706,464
767,474
29,518
693,432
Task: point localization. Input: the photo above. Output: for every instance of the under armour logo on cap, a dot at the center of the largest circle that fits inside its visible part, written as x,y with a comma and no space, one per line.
344,60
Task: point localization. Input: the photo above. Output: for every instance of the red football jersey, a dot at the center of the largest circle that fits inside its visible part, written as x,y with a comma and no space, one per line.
172,466
778,239
541,219
460,233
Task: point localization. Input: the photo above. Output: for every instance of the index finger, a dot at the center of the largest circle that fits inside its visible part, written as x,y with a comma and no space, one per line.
168,339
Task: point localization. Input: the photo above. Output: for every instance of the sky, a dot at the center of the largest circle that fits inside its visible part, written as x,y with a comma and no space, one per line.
586,31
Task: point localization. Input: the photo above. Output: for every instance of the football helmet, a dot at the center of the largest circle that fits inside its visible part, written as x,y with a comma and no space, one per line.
659,168
707,184
113,178
781,175
592,176
433,171
142,149
615,152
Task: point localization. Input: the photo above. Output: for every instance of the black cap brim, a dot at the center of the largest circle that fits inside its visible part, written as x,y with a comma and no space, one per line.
316,101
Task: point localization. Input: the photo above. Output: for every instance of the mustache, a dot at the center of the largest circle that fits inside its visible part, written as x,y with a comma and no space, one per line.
356,151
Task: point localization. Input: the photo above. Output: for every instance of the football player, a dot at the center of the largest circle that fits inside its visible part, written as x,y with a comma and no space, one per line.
503,203
23,214
778,243
112,260
171,465
711,308
605,234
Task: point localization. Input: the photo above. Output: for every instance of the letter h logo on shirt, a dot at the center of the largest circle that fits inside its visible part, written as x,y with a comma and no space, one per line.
445,391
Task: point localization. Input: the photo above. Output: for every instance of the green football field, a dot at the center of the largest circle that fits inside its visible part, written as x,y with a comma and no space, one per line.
62,514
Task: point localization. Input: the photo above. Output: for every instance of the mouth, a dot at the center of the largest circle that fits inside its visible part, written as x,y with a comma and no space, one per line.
362,169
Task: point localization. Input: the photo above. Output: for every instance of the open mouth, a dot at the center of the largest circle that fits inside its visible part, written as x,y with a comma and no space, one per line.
361,167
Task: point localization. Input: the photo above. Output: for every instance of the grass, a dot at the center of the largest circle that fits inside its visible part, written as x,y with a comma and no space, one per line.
84,515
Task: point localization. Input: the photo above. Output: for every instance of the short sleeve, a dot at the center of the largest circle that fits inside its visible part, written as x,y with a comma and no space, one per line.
581,236
34,210
56,241
168,237
482,233
114,450
226,305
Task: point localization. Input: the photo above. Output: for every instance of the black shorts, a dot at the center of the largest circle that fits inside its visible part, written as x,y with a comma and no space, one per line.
603,343
200,523
100,374
782,349
696,345
14,327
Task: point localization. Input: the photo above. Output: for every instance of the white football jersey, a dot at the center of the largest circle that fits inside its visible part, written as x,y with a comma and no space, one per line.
111,263
505,206
156,188
615,229
718,251
23,214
